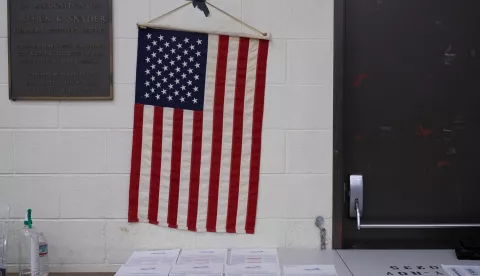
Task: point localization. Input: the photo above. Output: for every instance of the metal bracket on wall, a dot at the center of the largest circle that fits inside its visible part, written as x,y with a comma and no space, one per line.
201,5
323,232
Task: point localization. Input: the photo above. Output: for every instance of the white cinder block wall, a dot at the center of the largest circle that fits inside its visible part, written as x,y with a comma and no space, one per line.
69,161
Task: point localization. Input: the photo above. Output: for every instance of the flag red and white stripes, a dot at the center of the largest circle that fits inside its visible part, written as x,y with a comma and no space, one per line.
199,170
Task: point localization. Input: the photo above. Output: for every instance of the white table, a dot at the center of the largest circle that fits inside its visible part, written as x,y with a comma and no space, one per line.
400,262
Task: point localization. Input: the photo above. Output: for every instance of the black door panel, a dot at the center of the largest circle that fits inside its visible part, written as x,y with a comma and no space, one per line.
411,119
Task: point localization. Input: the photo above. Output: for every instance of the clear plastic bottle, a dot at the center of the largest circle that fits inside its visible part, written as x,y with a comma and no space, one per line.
43,254
4,239
33,250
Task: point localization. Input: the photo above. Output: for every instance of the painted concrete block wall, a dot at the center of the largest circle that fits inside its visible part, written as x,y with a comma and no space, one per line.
69,161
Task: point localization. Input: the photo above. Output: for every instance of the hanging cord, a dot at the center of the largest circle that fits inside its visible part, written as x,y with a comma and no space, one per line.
168,13
215,7
236,19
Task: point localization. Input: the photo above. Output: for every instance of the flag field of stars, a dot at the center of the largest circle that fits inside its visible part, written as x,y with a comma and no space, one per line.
171,69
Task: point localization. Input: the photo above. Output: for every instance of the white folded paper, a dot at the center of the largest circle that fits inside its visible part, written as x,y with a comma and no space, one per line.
252,269
144,270
159,257
207,256
253,256
309,270
197,269
462,270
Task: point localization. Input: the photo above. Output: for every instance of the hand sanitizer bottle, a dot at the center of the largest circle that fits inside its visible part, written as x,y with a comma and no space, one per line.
33,250
28,264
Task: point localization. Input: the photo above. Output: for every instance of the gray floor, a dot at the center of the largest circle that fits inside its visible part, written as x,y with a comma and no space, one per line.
378,262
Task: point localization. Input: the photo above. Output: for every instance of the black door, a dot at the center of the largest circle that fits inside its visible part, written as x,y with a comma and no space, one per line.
408,120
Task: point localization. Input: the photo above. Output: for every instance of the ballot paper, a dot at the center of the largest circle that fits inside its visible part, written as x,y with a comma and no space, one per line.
144,270
207,256
309,270
150,258
197,269
462,270
270,269
253,256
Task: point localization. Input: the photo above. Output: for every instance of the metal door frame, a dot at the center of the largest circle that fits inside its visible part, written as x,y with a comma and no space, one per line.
338,79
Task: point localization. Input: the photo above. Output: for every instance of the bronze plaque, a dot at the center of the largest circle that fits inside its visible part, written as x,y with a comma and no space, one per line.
60,49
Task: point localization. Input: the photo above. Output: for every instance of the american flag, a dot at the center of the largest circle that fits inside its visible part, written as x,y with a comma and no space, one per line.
197,130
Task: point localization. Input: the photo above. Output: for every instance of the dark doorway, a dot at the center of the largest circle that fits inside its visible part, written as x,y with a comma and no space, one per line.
407,118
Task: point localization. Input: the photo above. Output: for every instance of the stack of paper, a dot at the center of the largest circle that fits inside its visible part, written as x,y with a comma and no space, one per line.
208,256
252,269
462,270
149,263
258,262
197,269
254,256
144,270
309,270
165,257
